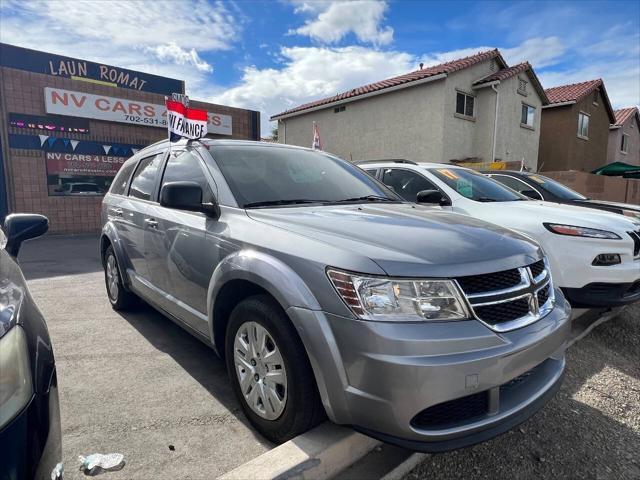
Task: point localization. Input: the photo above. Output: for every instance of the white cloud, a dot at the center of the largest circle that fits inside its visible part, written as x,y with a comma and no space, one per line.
540,52
151,36
310,73
174,53
334,20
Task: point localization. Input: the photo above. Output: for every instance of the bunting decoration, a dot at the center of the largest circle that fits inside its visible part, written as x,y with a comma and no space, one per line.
43,138
74,144
106,149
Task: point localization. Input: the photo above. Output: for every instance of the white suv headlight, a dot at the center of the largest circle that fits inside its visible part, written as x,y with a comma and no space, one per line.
399,300
16,385
575,231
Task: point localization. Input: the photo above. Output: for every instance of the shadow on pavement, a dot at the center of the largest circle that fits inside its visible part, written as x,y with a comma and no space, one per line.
57,255
193,356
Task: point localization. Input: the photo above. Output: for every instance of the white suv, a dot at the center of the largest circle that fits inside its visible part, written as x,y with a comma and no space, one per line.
594,256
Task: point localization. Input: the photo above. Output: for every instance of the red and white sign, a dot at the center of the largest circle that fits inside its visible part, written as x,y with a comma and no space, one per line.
123,110
78,164
186,122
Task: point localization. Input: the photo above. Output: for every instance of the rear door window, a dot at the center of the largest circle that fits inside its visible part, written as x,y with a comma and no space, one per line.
513,183
144,178
406,183
119,185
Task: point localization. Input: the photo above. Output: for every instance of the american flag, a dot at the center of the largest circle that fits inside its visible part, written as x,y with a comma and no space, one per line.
317,143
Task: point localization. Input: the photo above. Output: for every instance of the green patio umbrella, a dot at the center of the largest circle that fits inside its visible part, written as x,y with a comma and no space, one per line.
618,169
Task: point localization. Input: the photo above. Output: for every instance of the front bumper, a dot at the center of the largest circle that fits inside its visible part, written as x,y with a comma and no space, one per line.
596,295
31,444
378,377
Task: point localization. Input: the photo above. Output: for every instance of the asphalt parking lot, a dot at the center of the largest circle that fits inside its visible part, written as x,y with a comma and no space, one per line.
139,385
132,383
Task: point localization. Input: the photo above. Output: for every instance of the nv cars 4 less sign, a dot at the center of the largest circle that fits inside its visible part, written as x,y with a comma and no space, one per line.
100,107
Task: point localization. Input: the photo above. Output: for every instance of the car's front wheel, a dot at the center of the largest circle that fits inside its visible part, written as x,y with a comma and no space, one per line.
119,298
270,371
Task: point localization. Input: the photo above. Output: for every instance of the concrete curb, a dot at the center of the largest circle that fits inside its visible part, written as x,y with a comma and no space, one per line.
405,467
318,454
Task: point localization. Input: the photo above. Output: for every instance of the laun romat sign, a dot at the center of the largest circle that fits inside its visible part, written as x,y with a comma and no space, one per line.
101,107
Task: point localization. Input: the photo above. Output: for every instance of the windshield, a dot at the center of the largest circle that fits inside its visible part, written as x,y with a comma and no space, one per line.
267,175
476,186
556,188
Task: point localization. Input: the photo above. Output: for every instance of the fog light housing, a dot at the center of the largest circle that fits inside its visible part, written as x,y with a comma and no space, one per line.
606,259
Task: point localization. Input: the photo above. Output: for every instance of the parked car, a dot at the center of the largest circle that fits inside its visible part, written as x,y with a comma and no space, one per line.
539,187
327,294
594,255
30,439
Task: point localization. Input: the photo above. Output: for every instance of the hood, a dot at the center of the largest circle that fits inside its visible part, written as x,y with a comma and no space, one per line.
622,206
561,213
408,240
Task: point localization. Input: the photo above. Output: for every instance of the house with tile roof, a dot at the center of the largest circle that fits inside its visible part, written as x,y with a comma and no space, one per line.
575,127
474,109
624,137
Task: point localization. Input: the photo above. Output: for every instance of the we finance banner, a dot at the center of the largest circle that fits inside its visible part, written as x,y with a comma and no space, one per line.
123,110
185,122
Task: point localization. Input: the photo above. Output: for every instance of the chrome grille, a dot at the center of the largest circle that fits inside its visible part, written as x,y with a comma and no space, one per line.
503,302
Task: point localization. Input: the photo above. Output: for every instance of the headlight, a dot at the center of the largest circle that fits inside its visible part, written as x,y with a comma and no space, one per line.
395,300
16,386
574,231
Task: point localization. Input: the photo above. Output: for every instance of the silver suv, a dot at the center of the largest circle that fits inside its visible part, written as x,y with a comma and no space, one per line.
327,294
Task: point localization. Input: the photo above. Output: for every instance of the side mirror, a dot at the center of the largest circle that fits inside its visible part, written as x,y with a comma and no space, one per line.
531,194
186,196
431,196
23,226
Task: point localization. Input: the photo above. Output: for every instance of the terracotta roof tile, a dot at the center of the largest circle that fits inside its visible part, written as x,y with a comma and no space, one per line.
573,92
505,73
426,72
624,114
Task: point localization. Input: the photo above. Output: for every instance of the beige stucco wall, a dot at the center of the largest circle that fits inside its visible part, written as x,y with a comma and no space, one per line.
515,142
614,154
405,123
460,135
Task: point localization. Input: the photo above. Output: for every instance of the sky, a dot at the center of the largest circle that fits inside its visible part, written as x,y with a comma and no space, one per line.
271,56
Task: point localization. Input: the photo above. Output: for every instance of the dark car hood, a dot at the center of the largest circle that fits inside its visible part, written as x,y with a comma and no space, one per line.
408,240
622,206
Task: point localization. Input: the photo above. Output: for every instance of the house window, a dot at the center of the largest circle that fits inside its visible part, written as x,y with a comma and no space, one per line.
528,116
465,104
522,86
583,125
339,109
624,143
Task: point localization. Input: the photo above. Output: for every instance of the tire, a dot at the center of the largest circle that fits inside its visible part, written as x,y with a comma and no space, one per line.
302,408
119,298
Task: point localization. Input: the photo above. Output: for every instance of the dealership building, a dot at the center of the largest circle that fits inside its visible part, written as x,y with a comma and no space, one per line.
67,125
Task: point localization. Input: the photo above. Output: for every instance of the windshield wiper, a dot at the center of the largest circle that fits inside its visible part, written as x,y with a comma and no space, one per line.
486,199
368,198
293,201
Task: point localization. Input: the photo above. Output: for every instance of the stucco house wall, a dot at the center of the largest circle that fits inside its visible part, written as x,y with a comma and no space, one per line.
614,153
515,141
405,123
420,122
560,146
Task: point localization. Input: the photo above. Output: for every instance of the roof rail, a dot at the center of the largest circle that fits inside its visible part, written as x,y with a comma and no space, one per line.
394,160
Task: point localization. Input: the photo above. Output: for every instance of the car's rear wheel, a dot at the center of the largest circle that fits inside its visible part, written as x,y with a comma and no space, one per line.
119,298
270,371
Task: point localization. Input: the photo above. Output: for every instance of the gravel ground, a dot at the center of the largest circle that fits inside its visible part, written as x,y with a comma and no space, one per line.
590,430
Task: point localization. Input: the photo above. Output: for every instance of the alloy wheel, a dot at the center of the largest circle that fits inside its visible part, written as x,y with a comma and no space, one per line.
112,277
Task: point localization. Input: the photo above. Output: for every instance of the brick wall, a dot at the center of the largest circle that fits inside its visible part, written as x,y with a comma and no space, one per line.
25,170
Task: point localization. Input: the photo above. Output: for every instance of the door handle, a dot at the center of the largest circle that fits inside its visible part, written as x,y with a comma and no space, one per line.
151,222
117,212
